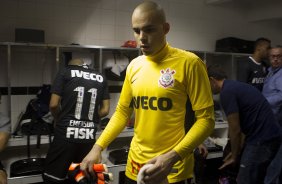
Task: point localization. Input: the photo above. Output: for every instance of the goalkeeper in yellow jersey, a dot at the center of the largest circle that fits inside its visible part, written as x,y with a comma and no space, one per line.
156,88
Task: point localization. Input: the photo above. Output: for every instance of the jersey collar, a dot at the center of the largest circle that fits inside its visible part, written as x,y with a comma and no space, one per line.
158,57
251,58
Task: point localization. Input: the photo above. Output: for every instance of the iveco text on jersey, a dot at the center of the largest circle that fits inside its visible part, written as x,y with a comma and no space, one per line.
86,75
153,103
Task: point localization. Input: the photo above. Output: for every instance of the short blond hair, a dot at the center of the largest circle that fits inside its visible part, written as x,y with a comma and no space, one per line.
148,6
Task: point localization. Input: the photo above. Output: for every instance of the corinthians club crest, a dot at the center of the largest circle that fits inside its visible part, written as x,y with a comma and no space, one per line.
166,80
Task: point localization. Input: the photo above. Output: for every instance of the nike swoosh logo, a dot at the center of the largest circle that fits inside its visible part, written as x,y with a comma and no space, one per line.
133,81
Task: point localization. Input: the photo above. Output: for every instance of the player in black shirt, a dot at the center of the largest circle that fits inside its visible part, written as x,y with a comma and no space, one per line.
254,69
79,99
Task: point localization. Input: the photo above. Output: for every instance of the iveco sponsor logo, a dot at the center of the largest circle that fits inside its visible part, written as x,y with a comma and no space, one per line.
86,75
257,80
152,103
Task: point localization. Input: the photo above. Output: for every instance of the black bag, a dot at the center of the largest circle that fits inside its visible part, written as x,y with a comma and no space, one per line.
235,45
37,119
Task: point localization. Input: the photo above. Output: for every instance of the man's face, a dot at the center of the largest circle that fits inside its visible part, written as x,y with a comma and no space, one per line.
149,32
264,49
275,57
215,89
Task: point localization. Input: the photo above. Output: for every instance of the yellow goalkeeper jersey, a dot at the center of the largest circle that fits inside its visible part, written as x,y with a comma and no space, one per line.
157,88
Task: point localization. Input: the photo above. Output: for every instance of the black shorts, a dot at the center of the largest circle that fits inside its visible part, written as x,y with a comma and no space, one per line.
59,157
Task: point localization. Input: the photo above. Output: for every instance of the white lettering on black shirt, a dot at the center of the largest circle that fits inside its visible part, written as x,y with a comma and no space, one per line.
86,75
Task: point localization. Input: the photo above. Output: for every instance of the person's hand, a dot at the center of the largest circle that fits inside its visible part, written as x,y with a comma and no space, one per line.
3,177
93,157
203,150
228,160
141,175
162,166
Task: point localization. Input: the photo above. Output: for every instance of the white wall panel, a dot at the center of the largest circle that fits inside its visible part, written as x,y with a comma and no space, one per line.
67,21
